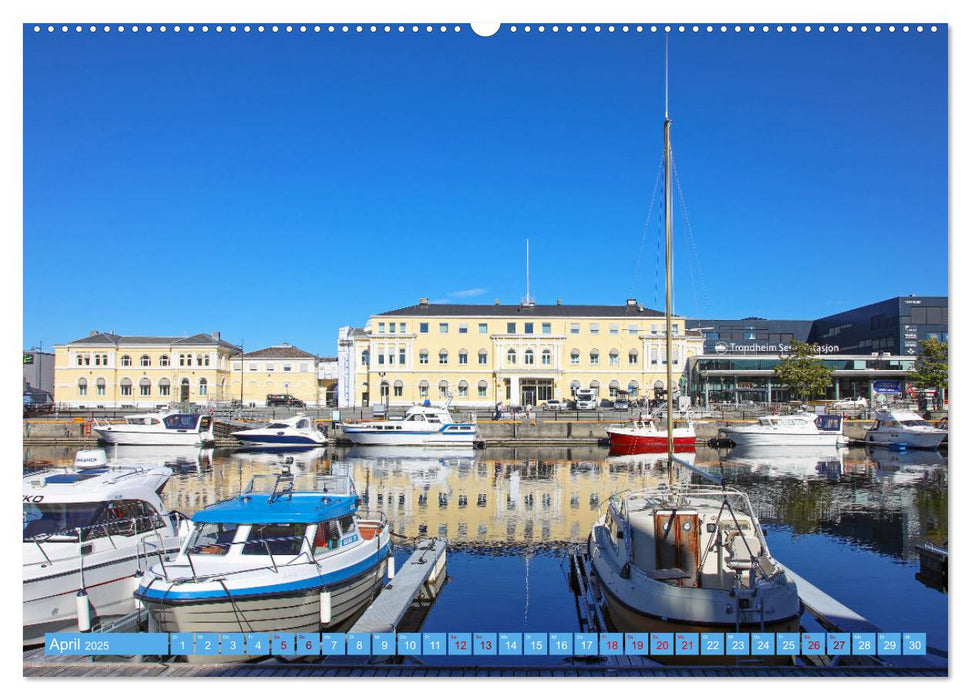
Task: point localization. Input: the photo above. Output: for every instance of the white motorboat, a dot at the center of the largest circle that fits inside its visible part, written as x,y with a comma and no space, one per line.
282,556
298,431
898,427
158,429
422,425
88,531
689,558
799,429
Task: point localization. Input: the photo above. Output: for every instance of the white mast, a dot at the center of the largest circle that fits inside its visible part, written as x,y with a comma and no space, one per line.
667,266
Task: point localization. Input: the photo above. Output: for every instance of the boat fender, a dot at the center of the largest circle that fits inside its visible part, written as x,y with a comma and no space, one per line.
133,586
625,570
325,608
390,568
84,611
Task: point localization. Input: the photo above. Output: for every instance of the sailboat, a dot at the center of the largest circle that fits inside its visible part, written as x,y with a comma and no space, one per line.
687,557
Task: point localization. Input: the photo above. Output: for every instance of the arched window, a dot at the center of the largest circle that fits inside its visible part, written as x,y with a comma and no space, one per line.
126,360
100,386
145,361
203,387
483,357
164,387
614,357
463,356
443,357
443,389
205,360
594,383
547,357
528,357
614,387
511,356
574,356
399,388
144,386
82,387
384,390
164,361
463,389
198,360
125,385
483,387
595,357
423,356
423,389
632,357
80,361
633,388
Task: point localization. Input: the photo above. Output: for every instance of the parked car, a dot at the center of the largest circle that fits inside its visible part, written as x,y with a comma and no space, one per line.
858,403
555,405
606,403
284,400
621,405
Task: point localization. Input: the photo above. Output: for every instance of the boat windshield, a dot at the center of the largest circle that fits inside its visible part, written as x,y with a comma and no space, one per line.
181,421
139,420
212,538
277,426
44,519
915,423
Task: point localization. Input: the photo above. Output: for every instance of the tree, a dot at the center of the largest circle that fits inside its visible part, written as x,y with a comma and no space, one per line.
800,371
930,370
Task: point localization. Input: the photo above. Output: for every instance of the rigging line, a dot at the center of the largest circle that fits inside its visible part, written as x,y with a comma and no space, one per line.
647,224
691,237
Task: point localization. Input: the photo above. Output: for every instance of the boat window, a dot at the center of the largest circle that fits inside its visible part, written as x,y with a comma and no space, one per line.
303,423
212,538
181,421
328,535
433,419
346,523
51,518
276,426
829,423
283,538
915,423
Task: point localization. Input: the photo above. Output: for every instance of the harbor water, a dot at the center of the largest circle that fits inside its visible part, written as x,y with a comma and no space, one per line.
847,520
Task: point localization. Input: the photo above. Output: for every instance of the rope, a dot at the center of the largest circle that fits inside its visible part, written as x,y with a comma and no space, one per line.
691,240
647,223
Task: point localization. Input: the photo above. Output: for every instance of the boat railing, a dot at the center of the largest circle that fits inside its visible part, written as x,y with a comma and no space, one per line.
286,484
122,527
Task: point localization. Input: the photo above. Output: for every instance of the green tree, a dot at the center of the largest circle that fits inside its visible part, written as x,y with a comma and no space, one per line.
805,376
930,370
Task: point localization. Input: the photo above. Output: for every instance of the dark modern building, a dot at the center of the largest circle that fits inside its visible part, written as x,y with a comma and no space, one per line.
39,370
894,325
751,335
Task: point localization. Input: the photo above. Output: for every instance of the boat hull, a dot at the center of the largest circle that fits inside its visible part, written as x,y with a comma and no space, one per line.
273,440
626,442
114,436
431,439
917,440
752,438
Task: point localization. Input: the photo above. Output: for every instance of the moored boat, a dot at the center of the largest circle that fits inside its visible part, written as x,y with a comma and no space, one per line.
643,435
422,424
897,427
298,431
87,531
158,429
798,430
288,554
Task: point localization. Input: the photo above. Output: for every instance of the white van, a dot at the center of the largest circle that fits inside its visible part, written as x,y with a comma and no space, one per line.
586,399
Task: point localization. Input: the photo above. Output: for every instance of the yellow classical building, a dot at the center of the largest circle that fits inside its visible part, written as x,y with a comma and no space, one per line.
105,370
276,371
520,354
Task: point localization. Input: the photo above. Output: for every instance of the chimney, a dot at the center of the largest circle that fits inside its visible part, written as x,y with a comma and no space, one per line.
559,302
92,333
631,301
423,301
497,302
215,335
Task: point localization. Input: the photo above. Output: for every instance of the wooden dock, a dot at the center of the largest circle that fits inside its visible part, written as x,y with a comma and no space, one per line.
416,580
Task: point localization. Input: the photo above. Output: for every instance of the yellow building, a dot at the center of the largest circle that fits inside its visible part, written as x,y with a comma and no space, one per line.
520,354
276,370
105,370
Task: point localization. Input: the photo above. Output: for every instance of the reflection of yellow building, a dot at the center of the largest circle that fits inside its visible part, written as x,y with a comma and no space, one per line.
280,369
108,370
525,354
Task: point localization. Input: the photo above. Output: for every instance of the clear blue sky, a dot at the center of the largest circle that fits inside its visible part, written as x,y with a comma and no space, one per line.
277,186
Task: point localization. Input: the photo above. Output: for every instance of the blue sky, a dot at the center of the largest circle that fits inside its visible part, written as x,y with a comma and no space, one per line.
278,186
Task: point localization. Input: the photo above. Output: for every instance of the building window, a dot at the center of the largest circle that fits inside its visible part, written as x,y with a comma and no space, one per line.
380,358
528,328
510,328
574,357
399,388
443,328
100,386
483,357
126,360
594,357
653,356
511,357
144,386
380,328
575,328
614,358
252,366
80,361
401,356
126,387
632,329
270,367
164,361
614,388
547,357
87,359
463,357
443,357
528,357
422,327
203,387
463,328
82,387
594,328
97,360
547,328
384,391
423,357
483,387
164,387
423,389
287,368
614,329
443,389
463,389
674,328
365,358
483,328
205,360
632,357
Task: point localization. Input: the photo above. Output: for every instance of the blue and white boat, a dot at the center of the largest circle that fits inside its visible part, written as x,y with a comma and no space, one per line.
281,556
432,426
299,431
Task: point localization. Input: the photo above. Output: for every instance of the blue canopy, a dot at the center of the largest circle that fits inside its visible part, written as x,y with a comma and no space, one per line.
257,508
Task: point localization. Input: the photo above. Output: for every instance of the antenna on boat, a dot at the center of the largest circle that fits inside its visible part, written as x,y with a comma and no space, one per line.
667,269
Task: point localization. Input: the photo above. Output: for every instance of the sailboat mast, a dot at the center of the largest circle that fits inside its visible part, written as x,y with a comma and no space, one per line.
667,285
